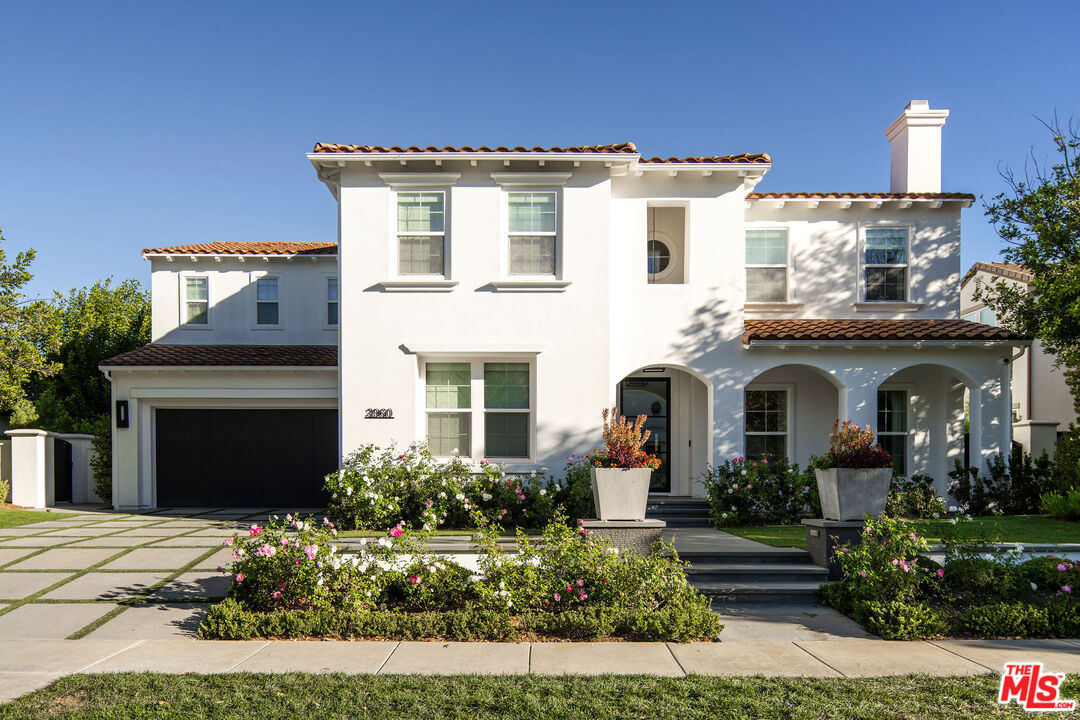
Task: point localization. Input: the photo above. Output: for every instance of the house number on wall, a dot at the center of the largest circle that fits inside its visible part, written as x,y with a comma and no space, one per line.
379,413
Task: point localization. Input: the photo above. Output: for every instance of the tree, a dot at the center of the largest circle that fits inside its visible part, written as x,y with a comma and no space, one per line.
1039,220
87,326
24,337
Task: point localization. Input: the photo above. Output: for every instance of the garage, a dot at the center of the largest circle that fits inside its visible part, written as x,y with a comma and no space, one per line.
244,457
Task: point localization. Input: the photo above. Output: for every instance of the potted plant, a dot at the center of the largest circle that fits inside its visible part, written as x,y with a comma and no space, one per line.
853,476
621,471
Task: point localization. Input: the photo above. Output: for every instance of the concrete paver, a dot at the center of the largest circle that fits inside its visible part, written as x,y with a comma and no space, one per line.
155,559
22,531
106,586
150,532
785,621
319,656
179,656
1055,655
55,656
38,541
760,658
221,558
867,658
455,658
126,524
85,531
195,585
146,622
17,684
11,555
110,541
603,657
19,585
53,524
187,541
65,559
50,620
217,532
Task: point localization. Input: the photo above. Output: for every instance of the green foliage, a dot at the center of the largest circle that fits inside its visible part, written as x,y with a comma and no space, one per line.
87,326
101,460
1050,574
378,488
745,492
885,561
1067,459
914,498
838,595
897,620
24,335
1005,619
1065,506
1012,486
980,578
1039,220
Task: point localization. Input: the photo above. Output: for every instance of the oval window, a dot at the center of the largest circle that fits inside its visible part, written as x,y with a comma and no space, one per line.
659,257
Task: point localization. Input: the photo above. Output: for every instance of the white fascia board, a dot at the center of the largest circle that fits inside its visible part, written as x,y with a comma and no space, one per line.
747,168
236,393
444,348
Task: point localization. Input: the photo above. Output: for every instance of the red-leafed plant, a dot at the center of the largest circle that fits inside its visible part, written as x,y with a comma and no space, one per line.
623,442
852,447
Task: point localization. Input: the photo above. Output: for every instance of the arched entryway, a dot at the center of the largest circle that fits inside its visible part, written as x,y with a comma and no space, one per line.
678,408
788,411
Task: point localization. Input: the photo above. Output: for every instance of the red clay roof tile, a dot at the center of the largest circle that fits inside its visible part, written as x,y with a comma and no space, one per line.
743,158
163,355
627,147
839,330
247,248
859,196
1013,271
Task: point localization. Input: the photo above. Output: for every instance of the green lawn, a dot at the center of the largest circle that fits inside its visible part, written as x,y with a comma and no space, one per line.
15,518
1011,528
334,696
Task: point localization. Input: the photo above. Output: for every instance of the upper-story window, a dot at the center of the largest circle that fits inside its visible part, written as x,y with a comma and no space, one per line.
766,266
421,218
196,300
532,233
886,264
986,316
266,301
331,301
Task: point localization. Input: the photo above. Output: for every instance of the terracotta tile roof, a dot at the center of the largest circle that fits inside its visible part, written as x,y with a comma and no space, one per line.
859,196
743,158
158,354
627,147
839,330
247,248
1012,271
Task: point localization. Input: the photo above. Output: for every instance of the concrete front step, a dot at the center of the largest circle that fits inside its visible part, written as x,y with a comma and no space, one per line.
748,555
682,522
754,572
761,591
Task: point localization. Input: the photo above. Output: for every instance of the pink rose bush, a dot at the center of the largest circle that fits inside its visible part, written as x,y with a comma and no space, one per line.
749,492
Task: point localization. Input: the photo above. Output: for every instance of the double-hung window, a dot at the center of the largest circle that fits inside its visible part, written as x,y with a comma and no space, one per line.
893,426
266,301
766,266
766,418
331,301
421,232
532,233
506,410
886,264
196,300
449,405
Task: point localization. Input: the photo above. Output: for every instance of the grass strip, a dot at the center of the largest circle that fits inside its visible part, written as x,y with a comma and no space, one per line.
464,697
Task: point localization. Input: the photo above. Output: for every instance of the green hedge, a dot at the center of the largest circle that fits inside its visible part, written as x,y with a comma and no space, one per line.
229,620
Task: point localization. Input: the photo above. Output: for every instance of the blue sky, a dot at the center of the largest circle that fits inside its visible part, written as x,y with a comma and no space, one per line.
128,125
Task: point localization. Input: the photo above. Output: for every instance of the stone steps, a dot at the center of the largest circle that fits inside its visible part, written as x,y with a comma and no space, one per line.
679,512
740,571
760,591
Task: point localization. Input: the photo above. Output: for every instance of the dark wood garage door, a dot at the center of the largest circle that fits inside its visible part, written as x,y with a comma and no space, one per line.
245,458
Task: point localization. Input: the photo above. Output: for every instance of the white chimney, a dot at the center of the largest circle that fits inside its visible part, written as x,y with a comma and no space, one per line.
915,137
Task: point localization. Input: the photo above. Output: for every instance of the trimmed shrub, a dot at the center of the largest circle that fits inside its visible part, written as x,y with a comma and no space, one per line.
1004,620
744,492
838,595
1062,505
980,578
101,460
914,498
1013,485
1067,459
885,562
896,620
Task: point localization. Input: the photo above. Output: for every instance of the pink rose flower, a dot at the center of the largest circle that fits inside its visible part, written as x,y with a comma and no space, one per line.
229,541
277,595
396,531
414,579
239,577
581,595
941,572
1066,589
557,597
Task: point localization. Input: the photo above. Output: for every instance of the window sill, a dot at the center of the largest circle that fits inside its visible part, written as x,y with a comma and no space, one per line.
267,327
195,327
440,285
880,306
772,307
331,328
530,285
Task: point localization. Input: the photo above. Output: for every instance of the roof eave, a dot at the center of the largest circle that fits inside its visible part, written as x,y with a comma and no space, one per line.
256,256
1023,342
330,159
216,368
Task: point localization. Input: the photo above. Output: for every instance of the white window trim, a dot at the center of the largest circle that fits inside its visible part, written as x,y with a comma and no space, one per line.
789,441
907,434
413,281
253,281
789,294
327,301
478,451
523,282
182,323
905,302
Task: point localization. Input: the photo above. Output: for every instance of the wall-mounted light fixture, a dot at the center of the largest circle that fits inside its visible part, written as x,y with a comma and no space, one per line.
121,413
658,369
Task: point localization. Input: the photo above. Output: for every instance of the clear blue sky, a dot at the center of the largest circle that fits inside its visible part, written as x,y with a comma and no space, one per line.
127,125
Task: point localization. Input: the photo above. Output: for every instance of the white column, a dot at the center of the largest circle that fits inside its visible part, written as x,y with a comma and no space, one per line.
31,482
995,420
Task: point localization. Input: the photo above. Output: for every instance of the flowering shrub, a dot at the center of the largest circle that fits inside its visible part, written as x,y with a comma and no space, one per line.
623,441
852,447
745,492
914,498
377,488
885,562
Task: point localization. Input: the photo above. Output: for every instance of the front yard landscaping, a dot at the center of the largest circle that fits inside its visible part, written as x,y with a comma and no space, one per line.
10,518
471,697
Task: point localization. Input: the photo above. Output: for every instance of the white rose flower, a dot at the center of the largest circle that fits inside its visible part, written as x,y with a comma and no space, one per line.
486,496
543,491
459,496
348,490
1034,586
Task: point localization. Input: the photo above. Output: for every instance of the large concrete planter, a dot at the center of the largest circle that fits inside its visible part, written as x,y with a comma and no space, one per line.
850,493
619,493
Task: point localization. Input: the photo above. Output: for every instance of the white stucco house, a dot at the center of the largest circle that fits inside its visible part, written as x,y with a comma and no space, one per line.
493,300
1042,405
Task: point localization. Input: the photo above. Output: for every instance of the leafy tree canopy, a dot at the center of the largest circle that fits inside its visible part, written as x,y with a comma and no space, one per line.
24,338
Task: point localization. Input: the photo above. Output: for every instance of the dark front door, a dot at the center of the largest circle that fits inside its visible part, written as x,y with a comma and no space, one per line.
61,470
651,397
244,458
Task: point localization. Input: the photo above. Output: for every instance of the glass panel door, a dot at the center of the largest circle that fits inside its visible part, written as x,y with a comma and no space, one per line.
651,397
